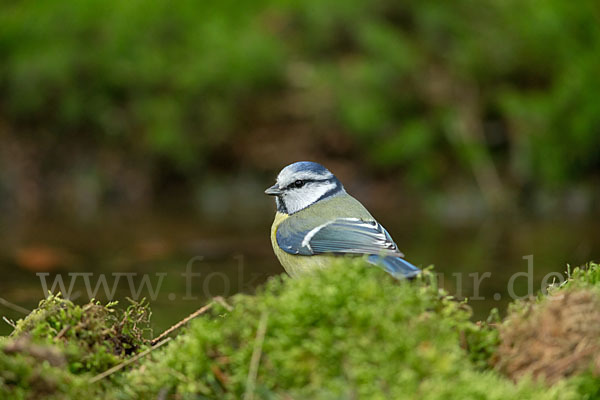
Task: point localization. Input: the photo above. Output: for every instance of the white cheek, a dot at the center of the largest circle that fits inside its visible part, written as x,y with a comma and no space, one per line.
296,200
317,192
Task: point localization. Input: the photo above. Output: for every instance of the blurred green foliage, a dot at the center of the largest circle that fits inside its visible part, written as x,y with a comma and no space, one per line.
163,79
417,81
509,87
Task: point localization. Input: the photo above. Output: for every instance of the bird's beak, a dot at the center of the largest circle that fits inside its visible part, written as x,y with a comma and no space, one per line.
273,190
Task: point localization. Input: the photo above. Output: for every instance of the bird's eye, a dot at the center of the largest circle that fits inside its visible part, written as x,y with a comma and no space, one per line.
299,183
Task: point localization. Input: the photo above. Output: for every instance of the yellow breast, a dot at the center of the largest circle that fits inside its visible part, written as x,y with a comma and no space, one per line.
295,264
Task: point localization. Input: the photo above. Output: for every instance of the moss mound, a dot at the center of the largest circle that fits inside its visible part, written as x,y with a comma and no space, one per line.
94,336
55,349
35,371
556,336
346,332
349,331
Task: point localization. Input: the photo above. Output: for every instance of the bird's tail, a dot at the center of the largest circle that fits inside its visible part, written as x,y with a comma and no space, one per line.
398,267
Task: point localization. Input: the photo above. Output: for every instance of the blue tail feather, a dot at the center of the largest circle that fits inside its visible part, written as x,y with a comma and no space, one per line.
398,267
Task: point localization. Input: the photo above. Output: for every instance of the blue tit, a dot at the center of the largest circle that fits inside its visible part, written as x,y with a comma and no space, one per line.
316,219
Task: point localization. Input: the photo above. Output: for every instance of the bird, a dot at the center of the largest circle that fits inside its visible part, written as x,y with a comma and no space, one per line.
316,219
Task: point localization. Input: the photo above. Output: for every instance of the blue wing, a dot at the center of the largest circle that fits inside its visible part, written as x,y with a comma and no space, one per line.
346,236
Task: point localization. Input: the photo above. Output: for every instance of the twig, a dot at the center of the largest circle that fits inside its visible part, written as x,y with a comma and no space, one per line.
183,322
10,322
222,302
127,362
62,332
221,377
256,353
162,394
14,307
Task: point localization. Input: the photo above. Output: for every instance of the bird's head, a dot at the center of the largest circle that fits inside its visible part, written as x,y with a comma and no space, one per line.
303,184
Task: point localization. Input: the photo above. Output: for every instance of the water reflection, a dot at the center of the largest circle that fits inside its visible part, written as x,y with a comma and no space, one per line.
224,259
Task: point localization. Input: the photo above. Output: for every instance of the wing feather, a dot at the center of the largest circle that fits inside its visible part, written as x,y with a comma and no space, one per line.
340,236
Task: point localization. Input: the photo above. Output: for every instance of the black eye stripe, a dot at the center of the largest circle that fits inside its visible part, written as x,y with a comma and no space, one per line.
309,180
298,183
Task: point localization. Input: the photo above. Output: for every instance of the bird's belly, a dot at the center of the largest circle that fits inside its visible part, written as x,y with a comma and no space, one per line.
295,265
299,265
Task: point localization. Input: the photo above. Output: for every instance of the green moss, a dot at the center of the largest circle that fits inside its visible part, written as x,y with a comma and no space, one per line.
55,349
587,385
587,276
33,371
94,337
482,340
345,332
349,331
